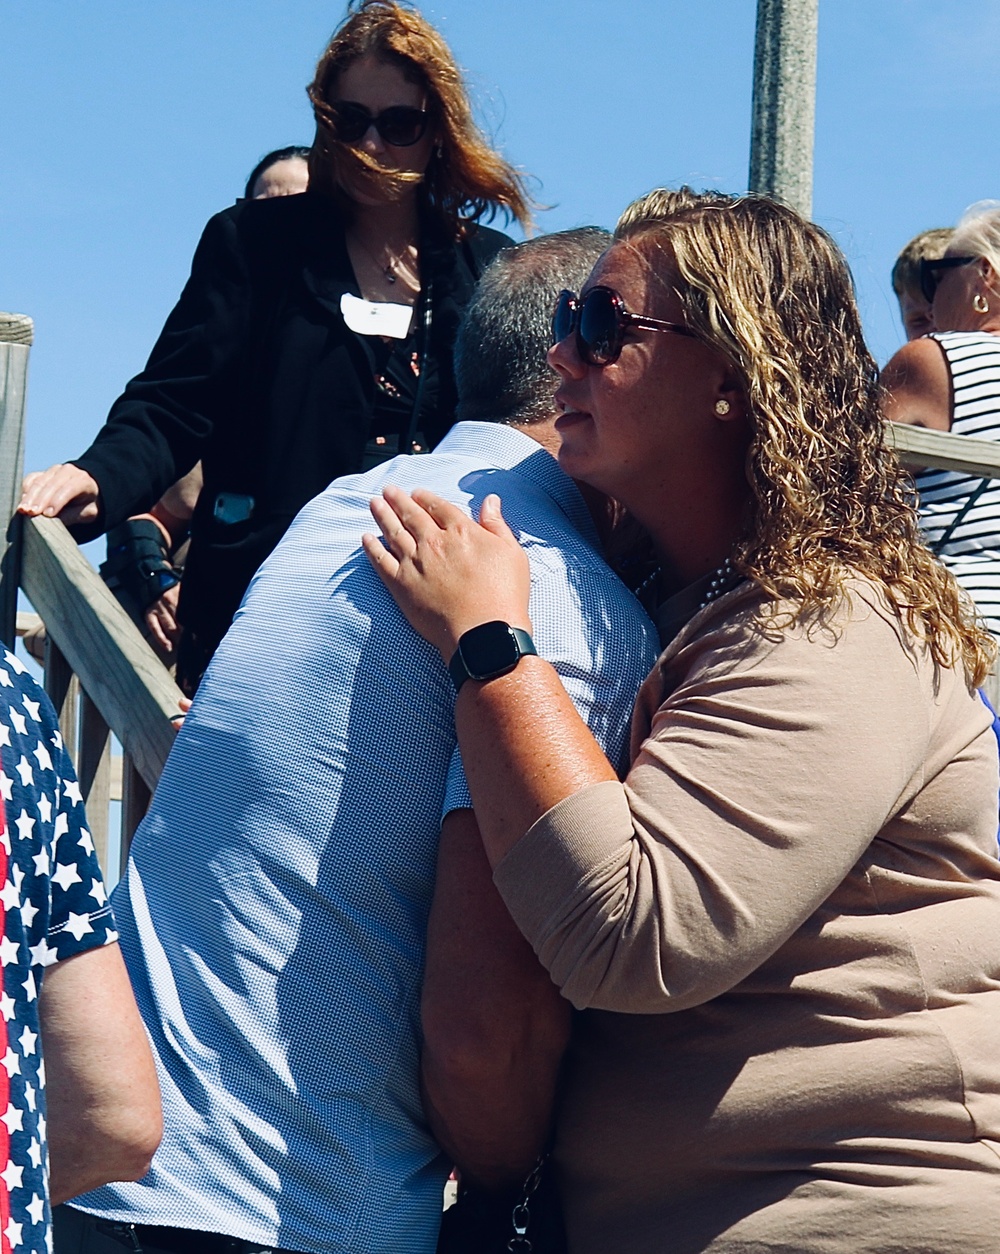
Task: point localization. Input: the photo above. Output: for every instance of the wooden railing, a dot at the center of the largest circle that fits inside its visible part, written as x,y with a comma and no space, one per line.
101,675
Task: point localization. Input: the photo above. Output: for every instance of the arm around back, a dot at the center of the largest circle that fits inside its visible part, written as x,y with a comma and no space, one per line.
103,1099
495,1026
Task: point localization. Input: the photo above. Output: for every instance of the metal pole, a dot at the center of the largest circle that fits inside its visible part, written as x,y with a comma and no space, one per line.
16,334
784,101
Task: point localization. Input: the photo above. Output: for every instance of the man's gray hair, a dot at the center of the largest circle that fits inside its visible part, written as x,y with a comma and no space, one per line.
500,365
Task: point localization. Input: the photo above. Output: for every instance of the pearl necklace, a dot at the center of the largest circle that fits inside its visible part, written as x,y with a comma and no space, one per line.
721,580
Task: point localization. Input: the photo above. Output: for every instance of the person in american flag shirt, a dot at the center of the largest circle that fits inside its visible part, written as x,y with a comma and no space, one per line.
78,1091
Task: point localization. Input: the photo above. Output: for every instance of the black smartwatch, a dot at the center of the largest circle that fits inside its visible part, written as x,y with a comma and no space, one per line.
488,651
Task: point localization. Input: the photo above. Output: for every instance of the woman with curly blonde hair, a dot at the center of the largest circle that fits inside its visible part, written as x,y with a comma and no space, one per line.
782,930
314,338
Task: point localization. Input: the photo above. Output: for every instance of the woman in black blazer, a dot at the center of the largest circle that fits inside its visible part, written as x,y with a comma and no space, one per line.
314,335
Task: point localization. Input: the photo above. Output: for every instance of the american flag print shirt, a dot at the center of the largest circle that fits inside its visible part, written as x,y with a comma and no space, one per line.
52,906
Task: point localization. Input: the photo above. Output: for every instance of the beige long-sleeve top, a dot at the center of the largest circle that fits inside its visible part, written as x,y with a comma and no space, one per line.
784,934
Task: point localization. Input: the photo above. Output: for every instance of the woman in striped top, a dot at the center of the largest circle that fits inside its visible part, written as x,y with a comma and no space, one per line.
949,380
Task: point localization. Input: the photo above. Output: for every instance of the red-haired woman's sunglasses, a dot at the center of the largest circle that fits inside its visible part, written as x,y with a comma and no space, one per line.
600,321
402,126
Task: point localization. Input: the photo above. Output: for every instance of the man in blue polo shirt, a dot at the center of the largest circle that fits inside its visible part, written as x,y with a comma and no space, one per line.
274,912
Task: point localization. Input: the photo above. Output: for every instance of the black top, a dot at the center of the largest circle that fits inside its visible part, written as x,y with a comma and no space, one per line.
257,374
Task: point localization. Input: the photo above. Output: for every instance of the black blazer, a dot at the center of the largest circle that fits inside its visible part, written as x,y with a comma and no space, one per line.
257,374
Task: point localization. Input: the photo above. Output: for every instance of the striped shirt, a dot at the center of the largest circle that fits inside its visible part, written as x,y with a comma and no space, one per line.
970,546
275,906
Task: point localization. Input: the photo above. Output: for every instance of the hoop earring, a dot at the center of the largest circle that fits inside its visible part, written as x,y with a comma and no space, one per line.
980,304
722,407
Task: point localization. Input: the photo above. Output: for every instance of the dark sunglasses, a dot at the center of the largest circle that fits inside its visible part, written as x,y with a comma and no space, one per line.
399,125
929,277
600,321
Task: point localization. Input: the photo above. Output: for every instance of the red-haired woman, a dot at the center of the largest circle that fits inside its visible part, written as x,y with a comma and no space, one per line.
315,333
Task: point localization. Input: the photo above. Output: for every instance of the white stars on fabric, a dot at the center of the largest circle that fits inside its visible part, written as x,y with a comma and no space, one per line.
11,1176
78,925
66,875
43,954
32,708
41,756
14,1119
45,917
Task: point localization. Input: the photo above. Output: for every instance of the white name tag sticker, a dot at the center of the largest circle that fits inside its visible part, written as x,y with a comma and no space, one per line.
369,317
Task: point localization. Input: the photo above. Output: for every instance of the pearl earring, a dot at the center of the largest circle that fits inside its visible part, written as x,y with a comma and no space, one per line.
980,304
722,407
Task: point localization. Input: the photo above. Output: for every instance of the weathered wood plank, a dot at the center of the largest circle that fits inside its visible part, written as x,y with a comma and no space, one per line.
135,802
64,692
122,674
919,448
16,332
27,622
94,770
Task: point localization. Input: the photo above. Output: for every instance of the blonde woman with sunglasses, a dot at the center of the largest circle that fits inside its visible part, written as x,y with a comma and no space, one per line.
782,930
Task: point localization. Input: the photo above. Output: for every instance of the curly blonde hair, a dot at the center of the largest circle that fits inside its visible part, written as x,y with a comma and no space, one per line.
773,294
466,177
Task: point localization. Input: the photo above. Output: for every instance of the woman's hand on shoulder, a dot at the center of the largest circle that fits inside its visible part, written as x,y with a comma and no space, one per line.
916,386
446,572
63,491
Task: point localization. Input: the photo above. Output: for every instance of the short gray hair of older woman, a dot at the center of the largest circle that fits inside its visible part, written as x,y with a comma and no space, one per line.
500,355
978,233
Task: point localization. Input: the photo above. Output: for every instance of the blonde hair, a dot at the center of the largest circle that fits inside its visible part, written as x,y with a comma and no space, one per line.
923,247
774,295
466,178
664,202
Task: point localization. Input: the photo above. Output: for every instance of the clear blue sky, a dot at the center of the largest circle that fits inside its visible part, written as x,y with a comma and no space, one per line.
127,123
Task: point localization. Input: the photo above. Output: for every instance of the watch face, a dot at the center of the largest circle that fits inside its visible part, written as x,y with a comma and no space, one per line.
489,650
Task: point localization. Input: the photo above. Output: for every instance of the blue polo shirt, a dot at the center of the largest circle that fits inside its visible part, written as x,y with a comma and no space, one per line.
275,905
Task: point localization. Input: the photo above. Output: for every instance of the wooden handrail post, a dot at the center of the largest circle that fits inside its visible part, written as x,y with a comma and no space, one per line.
94,770
16,334
63,690
136,796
